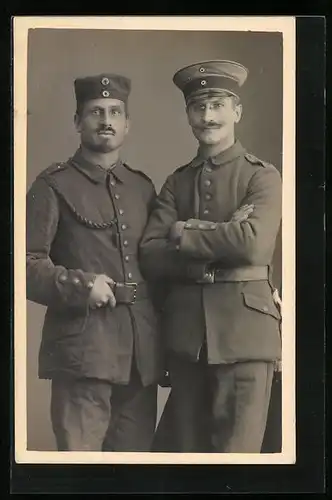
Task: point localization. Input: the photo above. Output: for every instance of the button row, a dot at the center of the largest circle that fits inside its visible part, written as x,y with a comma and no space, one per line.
207,183
123,228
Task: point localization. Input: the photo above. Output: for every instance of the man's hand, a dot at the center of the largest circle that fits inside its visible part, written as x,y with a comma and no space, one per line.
278,366
277,300
176,231
101,294
242,213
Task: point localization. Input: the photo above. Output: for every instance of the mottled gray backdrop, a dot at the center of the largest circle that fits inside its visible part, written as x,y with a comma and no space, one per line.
160,139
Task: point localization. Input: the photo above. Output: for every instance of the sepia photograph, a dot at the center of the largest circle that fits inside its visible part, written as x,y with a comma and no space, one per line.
154,183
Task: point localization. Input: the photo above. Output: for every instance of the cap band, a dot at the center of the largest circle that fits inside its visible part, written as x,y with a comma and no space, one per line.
220,83
208,94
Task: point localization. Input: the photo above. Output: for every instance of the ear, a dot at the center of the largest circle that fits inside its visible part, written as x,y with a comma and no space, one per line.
128,125
77,122
188,113
238,113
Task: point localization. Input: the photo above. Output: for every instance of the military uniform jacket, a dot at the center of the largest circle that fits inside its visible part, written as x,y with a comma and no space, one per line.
238,320
82,221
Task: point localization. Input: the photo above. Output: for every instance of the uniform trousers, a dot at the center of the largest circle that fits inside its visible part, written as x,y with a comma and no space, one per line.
94,415
219,408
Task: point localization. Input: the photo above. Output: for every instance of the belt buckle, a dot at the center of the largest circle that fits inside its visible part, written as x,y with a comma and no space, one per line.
133,291
208,277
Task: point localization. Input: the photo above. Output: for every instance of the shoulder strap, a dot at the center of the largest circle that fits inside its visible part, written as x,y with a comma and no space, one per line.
256,161
139,172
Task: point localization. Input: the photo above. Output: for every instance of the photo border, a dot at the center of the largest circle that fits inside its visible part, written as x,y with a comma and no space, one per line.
19,145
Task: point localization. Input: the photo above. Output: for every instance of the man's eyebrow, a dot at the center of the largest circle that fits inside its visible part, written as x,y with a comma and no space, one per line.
93,108
112,106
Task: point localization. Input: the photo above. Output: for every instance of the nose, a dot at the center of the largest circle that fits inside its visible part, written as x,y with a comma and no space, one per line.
106,119
207,115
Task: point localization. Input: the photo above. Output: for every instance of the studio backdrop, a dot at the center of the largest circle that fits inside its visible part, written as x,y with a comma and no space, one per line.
160,139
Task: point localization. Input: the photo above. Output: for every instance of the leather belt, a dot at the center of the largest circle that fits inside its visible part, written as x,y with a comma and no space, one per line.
246,273
129,293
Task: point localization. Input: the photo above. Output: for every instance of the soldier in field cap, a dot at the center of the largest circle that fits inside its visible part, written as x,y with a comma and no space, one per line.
100,343
211,235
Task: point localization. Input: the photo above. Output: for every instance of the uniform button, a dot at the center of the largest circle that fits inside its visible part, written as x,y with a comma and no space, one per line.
113,183
207,182
117,196
201,226
123,226
208,196
76,281
130,275
206,211
90,284
121,212
265,309
126,258
62,277
125,243
208,169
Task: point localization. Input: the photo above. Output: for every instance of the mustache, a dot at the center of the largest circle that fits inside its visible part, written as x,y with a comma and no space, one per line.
212,125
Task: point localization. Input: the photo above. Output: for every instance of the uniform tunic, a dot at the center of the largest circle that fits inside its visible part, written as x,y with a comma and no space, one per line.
238,320
82,221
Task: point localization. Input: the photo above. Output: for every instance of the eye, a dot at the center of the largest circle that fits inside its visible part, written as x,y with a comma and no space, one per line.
95,112
115,112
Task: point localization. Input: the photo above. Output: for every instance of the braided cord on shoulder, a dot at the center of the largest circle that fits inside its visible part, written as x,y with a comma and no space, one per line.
83,220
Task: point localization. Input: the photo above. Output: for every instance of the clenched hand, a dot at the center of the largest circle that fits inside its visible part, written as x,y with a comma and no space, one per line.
242,213
101,294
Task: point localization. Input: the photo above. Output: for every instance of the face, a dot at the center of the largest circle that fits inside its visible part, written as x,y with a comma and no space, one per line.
102,124
213,119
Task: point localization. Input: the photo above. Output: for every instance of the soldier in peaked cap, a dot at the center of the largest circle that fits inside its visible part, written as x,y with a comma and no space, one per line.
100,342
211,235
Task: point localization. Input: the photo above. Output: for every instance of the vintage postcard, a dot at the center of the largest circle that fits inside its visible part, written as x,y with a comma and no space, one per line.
154,154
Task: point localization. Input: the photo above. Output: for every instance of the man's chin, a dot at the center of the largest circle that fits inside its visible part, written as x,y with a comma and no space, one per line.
209,141
209,138
105,147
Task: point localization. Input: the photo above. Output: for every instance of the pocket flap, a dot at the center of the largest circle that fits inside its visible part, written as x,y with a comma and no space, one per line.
261,304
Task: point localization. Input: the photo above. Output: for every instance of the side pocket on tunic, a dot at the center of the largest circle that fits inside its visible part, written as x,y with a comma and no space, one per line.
261,304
